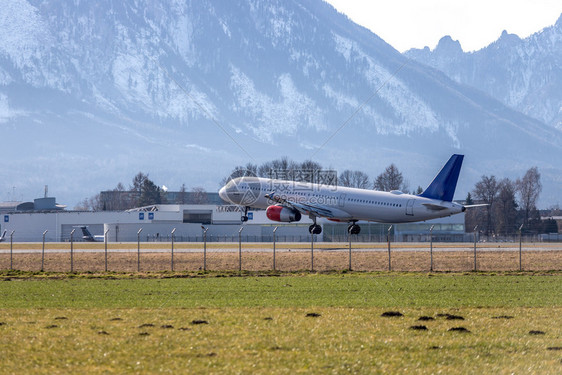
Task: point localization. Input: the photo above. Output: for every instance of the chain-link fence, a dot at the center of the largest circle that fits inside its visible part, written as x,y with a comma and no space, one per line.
243,254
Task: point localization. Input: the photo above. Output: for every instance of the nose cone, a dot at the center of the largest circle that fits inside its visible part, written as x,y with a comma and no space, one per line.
223,194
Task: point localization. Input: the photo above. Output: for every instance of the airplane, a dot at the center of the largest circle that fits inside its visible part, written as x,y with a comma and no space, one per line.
288,201
87,236
3,237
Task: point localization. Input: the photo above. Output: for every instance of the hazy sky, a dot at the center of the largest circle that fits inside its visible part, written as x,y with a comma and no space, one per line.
405,24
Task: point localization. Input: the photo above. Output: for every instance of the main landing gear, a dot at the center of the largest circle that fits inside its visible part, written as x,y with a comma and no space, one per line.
314,228
353,228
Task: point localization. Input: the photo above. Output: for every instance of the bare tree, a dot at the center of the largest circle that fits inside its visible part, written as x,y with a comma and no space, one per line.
182,195
345,178
241,171
90,204
199,195
486,190
83,205
506,207
120,199
307,171
355,179
284,169
390,179
529,188
281,169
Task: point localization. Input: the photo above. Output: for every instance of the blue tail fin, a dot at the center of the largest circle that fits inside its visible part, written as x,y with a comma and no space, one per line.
443,185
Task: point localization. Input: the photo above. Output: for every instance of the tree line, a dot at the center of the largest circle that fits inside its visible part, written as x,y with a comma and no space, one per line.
142,192
510,203
310,171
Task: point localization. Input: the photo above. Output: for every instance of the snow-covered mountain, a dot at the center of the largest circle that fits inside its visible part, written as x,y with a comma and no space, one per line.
525,74
93,92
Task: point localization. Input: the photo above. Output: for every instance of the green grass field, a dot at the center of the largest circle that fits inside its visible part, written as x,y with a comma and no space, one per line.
259,323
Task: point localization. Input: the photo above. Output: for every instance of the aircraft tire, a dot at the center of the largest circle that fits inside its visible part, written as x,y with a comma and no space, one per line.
315,229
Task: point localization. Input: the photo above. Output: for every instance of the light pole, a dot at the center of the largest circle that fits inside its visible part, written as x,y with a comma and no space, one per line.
204,247
138,249
72,250
43,251
240,248
172,266
431,248
274,240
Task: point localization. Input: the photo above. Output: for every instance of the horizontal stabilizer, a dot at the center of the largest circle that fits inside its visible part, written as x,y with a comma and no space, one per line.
444,184
434,207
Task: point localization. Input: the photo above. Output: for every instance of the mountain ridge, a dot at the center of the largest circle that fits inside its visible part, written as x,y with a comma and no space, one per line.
98,91
524,74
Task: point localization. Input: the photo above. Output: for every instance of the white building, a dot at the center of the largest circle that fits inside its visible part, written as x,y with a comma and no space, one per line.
156,222
223,223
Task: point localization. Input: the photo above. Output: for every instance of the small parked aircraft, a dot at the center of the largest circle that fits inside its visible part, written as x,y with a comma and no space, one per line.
88,236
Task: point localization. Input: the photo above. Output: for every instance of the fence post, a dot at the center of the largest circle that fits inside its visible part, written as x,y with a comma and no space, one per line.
240,248
105,243
274,240
138,249
475,233
204,247
11,249
43,251
72,250
388,241
520,252
172,265
311,251
349,235
431,248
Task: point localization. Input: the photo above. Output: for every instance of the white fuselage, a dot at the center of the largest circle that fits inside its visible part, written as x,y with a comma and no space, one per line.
348,204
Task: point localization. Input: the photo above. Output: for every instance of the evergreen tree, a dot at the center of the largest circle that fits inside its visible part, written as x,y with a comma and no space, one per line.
150,194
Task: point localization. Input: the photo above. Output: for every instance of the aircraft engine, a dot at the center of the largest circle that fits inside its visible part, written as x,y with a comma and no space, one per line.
282,214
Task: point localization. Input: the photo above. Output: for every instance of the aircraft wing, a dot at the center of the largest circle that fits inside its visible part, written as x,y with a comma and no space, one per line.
317,210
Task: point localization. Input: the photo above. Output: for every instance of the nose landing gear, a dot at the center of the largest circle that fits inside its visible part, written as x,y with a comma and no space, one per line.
244,217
